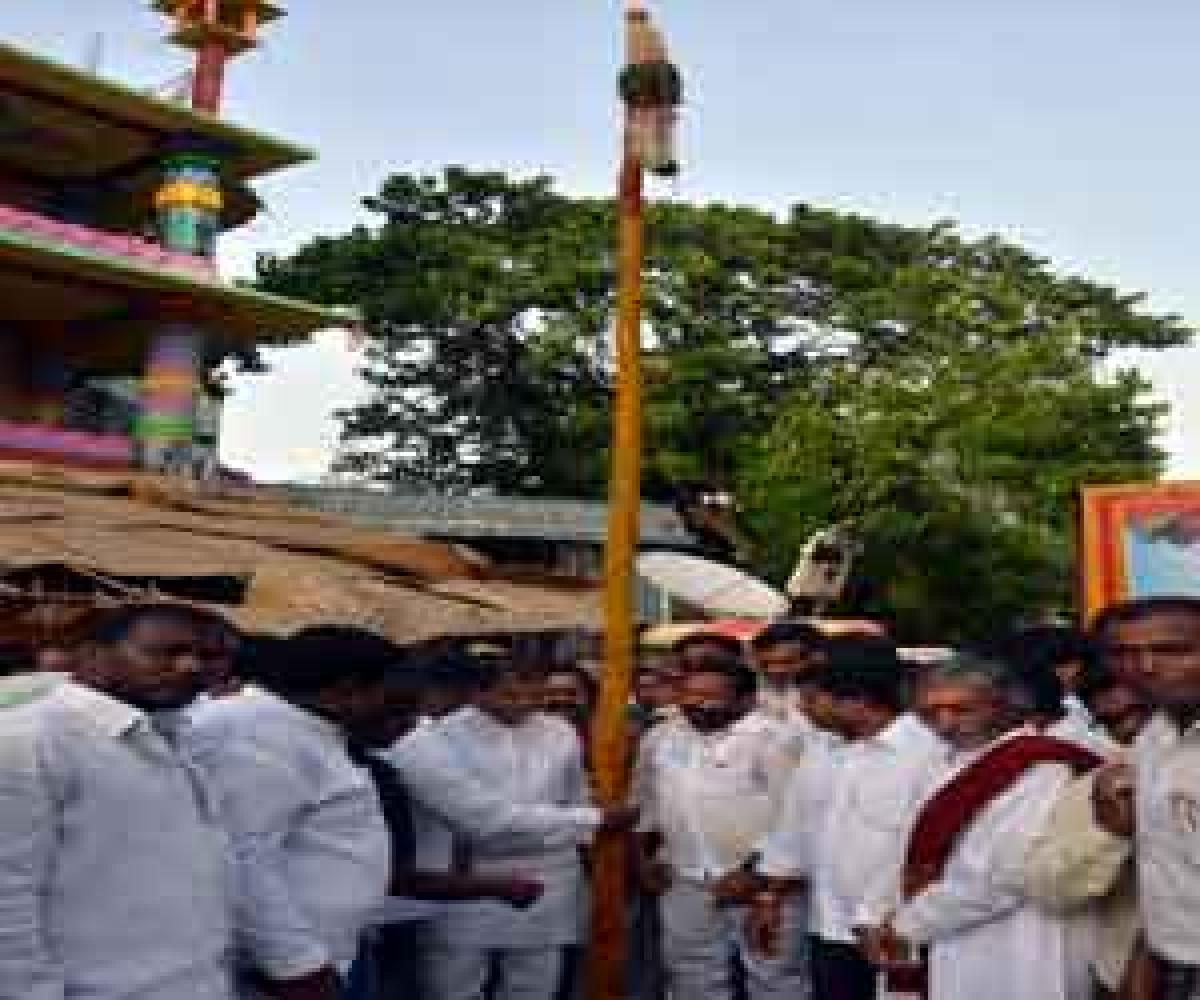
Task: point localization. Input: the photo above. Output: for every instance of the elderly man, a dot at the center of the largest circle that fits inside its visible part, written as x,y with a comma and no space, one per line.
113,871
963,881
1155,644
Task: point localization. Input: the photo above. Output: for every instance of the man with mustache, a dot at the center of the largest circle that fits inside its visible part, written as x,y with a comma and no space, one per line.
713,784
963,893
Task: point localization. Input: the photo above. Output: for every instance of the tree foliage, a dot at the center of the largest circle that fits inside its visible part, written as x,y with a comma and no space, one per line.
947,396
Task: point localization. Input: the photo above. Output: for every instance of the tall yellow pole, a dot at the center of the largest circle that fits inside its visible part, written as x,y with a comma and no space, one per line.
607,956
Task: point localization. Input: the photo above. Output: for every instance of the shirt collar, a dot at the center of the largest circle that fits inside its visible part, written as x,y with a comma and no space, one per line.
963,758
1164,730
116,718
898,733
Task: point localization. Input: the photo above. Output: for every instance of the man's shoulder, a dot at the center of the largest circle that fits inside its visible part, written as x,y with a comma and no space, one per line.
246,724
247,709
22,689
27,715
60,726
462,723
68,707
555,729
1158,737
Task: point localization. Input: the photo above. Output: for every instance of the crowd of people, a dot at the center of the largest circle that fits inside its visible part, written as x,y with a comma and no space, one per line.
188,813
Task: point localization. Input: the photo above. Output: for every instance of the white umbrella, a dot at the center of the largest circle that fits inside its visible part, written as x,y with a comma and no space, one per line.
710,586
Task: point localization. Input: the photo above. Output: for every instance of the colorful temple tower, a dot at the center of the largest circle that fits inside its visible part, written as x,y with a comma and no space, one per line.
113,318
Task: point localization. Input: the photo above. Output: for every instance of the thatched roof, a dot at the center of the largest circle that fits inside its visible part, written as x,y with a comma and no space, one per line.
132,535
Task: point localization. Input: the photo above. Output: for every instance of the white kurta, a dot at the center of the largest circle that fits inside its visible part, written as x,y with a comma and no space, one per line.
715,796
844,822
447,793
986,942
536,763
1167,783
312,849
115,880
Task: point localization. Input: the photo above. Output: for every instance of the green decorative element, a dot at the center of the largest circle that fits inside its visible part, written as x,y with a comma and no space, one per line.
203,164
188,230
652,85
164,428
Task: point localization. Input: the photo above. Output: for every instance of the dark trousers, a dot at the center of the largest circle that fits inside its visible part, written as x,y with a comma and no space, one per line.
386,968
840,972
1180,982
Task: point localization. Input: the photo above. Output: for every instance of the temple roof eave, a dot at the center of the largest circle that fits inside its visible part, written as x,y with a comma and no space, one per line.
248,153
239,315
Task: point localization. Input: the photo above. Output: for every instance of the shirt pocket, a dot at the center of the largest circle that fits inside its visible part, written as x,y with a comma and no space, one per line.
1177,808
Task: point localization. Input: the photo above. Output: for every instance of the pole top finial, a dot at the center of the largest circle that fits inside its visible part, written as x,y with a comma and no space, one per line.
232,24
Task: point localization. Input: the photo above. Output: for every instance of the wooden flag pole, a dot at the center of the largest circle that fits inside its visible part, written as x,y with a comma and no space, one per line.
651,89
610,749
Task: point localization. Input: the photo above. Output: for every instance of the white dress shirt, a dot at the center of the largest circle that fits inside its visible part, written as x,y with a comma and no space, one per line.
313,851
436,779
1083,732
536,763
714,796
1167,782
987,941
114,875
845,822
786,708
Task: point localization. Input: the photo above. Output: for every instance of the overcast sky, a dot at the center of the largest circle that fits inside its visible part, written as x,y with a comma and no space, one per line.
1068,125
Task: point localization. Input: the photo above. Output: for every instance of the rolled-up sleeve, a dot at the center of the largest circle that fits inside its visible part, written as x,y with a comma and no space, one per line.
1072,861
260,796
28,970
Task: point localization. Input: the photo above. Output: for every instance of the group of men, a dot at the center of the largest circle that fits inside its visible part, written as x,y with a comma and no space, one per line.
190,814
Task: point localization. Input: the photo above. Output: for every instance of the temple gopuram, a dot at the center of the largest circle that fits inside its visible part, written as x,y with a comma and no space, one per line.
114,321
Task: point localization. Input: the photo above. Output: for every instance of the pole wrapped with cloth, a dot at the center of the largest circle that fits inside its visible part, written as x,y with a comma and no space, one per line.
651,89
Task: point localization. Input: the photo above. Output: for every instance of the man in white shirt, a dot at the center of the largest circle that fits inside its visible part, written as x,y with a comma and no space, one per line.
114,874
844,829
530,758
713,783
1066,653
1054,661
1155,645
309,838
1078,867
964,873
789,658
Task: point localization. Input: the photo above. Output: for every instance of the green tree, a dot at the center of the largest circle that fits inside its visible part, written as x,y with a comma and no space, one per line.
946,396
484,299
958,410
